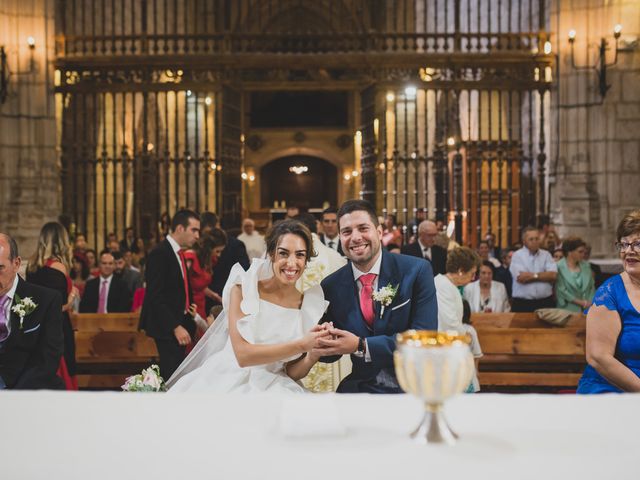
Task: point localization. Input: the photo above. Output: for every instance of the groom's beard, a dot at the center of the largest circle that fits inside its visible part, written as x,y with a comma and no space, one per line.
365,261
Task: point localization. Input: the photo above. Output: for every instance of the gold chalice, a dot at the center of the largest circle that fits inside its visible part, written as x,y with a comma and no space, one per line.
433,366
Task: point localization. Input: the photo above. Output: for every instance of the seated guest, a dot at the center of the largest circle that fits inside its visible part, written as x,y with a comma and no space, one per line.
234,252
393,248
131,278
31,346
557,254
462,265
92,263
253,241
494,250
574,285
485,294
613,321
79,272
534,273
502,273
426,248
391,232
483,250
107,293
598,276
128,243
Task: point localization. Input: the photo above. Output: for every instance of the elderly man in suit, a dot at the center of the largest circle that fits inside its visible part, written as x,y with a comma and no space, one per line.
363,327
106,293
31,341
426,248
165,312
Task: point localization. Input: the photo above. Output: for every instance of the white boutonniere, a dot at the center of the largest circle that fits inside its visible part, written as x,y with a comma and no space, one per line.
385,296
23,307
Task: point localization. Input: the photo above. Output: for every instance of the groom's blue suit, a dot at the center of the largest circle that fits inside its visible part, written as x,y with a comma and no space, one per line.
414,306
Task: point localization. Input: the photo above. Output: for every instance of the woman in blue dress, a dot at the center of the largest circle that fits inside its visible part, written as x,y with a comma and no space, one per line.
613,321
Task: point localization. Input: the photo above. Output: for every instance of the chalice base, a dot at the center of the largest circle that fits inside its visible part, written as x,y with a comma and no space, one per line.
434,428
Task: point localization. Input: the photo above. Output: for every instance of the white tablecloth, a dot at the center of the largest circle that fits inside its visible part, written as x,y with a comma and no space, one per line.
188,437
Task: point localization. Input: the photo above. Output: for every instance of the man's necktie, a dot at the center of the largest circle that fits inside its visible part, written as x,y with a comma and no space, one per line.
366,299
102,298
4,318
331,244
426,254
185,280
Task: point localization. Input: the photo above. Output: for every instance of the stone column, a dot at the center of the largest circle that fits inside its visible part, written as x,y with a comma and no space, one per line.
29,170
596,141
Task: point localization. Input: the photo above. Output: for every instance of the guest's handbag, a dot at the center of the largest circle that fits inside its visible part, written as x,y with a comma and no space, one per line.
555,316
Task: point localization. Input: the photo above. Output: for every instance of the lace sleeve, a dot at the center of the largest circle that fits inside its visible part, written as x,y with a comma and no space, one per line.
606,295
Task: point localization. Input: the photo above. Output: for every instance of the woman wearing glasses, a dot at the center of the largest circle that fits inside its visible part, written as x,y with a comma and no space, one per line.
613,321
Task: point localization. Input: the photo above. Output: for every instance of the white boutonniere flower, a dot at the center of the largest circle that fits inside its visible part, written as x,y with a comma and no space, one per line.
385,296
23,307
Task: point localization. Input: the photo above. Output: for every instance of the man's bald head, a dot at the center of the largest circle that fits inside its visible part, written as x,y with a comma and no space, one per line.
10,245
427,232
9,262
248,226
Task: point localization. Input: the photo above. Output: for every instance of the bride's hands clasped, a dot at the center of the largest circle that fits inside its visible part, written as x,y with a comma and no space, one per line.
311,340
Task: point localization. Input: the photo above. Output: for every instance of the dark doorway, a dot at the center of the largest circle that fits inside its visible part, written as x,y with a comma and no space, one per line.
315,184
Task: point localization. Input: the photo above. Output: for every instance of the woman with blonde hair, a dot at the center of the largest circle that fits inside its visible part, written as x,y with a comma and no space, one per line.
49,266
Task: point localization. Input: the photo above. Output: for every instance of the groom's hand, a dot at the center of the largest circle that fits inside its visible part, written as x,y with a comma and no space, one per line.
341,342
182,336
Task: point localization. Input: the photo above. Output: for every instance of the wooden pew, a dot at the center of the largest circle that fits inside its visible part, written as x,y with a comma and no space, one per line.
522,353
109,348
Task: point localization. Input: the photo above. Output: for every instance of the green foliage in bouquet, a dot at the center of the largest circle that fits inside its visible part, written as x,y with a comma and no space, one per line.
149,380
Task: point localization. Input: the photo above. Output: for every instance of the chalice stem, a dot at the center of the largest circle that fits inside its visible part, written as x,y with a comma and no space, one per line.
434,427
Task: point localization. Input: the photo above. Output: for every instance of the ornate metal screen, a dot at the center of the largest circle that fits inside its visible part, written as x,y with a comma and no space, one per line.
150,96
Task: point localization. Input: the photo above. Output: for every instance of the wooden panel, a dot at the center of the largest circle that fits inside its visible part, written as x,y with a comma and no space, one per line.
532,341
102,381
114,346
521,320
100,322
513,379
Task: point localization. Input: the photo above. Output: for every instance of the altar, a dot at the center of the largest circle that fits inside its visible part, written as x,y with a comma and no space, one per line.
189,437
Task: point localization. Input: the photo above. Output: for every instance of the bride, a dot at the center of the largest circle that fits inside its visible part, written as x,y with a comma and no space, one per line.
263,338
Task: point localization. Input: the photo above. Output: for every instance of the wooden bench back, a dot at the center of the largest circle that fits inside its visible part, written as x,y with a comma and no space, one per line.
522,351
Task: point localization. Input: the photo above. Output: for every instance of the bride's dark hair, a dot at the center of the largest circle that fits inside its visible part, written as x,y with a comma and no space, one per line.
293,227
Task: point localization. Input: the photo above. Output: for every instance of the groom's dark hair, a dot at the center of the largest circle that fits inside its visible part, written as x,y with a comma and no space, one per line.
182,217
351,206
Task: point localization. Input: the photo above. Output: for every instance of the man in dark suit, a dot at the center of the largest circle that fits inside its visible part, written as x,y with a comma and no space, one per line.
165,315
363,327
31,346
107,293
330,237
234,252
426,248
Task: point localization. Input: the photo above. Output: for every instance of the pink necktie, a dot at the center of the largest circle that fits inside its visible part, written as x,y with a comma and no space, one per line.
4,318
102,299
366,300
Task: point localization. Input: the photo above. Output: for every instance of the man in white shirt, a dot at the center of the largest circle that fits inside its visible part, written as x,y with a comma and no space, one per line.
534,273
252,239
330,237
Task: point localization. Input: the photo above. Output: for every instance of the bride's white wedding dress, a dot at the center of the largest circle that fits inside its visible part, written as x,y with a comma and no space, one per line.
212,365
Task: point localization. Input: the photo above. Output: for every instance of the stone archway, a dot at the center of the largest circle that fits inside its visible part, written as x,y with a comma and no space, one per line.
310,188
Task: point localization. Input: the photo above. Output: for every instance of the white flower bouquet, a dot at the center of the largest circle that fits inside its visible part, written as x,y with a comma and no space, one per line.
147,381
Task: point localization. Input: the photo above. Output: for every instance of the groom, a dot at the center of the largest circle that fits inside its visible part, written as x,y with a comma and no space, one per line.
362,327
